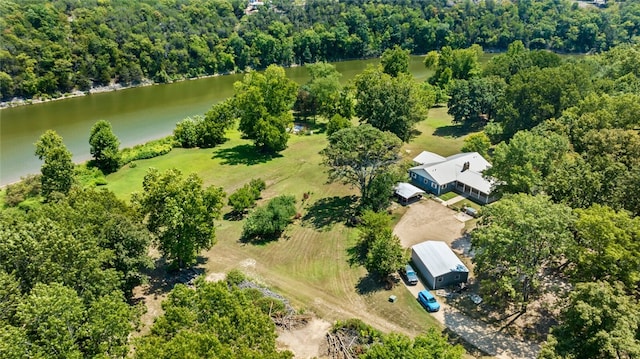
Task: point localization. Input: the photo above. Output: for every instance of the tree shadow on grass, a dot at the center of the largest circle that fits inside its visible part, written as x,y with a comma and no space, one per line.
163,278
369,284
325,212
243,155
458,130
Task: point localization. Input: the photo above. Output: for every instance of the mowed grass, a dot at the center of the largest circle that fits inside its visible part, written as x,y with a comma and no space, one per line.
310,263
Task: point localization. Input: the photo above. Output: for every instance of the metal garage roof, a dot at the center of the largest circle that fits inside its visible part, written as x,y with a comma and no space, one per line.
438,258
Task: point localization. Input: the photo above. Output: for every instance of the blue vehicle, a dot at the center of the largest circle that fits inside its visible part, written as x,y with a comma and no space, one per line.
428,301
410,274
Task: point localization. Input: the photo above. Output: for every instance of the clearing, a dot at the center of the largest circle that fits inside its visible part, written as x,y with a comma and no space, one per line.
310,263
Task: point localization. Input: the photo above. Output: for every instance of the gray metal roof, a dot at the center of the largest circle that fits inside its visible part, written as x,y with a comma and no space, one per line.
438,258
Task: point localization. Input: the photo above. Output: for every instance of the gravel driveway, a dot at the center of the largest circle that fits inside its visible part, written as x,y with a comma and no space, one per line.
429,220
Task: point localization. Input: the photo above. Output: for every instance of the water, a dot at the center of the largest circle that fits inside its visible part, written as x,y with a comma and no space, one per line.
137,114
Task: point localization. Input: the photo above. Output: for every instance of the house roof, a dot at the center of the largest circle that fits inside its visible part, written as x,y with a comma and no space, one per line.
407,190
438,258
452,169
427,157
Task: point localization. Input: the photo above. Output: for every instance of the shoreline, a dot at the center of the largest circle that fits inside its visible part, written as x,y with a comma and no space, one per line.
17,101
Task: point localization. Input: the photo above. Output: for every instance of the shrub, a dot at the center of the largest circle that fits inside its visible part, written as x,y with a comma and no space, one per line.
337,123
148,150
89,176
246,197
28,187
268,222
186,132
235,277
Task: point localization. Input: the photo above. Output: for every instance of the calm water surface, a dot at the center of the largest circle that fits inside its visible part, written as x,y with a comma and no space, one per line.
137,114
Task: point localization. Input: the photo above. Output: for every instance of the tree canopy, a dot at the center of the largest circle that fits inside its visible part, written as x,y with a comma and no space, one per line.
263,103
180,213
393,104
104,147
57,169
357,155
518,237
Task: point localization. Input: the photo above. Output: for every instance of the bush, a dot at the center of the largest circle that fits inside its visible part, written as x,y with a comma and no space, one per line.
246,197
28,187
148,150
89,176
235,277
337,123
268,222
186,132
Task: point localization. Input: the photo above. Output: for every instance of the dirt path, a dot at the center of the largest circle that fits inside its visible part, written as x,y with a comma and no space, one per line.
429,220
305,342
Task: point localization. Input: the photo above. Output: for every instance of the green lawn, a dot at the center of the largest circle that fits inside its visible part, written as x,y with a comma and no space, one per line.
310,264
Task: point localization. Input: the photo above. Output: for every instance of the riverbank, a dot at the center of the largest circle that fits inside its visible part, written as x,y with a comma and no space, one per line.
18,101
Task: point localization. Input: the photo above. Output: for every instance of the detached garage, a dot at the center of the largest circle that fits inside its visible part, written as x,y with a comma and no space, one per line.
438,264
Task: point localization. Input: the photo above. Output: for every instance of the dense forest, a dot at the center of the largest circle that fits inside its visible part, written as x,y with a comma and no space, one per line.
55,47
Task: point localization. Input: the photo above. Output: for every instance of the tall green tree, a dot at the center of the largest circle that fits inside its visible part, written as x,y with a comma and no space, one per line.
357,155
180,213
599,321
389,103
449,64
474,102
523,164
57,169
606,247
395,61
477,142
263,103
212,321
104,147
323,87
385,254
518,237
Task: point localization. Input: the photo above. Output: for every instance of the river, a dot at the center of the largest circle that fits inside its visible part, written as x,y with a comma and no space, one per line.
136,114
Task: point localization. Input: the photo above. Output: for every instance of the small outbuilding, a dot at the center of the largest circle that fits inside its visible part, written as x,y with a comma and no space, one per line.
407,192
438,264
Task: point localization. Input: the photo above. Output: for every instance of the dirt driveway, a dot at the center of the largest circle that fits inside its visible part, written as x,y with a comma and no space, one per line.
430,220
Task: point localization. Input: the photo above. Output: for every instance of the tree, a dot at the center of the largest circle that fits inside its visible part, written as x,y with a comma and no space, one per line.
337,123
53,315
449,64
599,321
477,142
524,163
357,155
180,213
212,321
108,324
246,196
389,103
395,61
605,247
217,121
518,237
323,87
268,222
385,254
186,132
535,95
430,345
474,102
57,169
104,147
263,103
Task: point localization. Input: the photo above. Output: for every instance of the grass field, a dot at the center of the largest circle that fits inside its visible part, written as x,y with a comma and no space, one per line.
310,264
